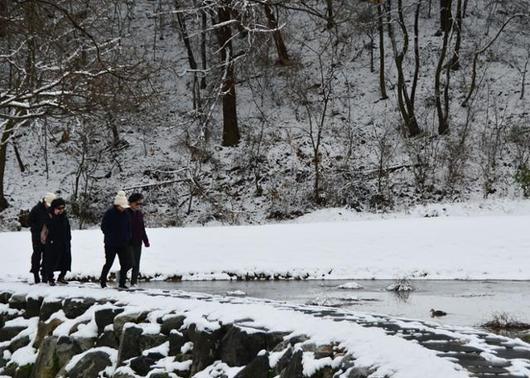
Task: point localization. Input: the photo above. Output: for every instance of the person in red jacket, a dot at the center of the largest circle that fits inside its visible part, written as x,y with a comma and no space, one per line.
139,235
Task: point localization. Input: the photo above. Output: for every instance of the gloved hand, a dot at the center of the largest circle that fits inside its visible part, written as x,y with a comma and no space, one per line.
147,244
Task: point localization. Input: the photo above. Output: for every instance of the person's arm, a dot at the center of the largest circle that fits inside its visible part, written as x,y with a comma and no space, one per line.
145,238
32,217
105,223
68,236
44,234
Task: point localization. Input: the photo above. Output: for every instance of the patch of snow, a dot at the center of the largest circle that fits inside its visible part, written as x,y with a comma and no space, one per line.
163,349
350,286
236,293
24,356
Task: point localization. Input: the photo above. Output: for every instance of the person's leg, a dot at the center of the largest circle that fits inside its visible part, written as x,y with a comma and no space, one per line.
136,254
61,278
36,259
124,254
110,254
47,266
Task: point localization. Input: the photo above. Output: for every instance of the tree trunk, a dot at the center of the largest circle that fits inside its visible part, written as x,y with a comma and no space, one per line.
406,106
446,17
382,84
283,56
443,123
191,60
224,34
6,134
329,14
204,25
416,51
455,60
523,79
3,13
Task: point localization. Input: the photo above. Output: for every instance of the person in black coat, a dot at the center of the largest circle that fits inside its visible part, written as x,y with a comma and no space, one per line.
138,234
38,216
56,236
116,227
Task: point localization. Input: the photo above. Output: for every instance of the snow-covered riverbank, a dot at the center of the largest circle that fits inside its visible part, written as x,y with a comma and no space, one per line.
472,247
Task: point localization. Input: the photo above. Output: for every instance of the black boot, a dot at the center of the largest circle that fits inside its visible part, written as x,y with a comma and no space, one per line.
36,278
51,282
61,279
103,284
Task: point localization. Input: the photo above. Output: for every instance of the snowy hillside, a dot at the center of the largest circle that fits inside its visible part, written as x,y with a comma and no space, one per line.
315,133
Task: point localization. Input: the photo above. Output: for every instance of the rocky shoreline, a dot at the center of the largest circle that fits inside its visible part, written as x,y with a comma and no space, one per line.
86,337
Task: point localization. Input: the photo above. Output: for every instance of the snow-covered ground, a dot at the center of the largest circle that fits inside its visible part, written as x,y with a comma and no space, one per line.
453,247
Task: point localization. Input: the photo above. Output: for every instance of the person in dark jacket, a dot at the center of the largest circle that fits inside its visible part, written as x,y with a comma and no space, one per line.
38,216
116,227
56,236
138,234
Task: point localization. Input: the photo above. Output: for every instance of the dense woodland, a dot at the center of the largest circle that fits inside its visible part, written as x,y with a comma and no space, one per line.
248,111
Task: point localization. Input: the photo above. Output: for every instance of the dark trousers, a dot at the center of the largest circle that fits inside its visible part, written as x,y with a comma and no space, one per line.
125,262
37,256
136,254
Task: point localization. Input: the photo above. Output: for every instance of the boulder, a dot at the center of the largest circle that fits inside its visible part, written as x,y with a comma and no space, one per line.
121,319
5,296
8,333
358,373
284,360
238,347
295,368
48,308
324,351
85,343
75,307
18,302
129,343
205,348
106,316
176,342
258,368
108,339
46,365
45,329
19,342
160,374
325,372
33,306
65,348
142,364
171,323
148,341
13,370
90,365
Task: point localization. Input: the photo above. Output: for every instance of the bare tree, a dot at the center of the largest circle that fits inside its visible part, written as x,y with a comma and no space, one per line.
54,54
481,50
283,55
405,99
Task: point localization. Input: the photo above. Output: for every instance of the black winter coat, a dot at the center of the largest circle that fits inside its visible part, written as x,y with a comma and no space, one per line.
38,216
116,227
57,253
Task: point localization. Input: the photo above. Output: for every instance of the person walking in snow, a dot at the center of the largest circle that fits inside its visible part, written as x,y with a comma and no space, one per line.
56,237
116,227
138,234
38,216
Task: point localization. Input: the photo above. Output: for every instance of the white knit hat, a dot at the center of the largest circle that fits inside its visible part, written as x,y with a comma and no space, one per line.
121,200
49,197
